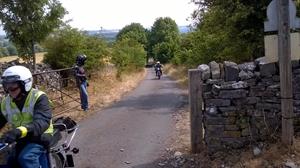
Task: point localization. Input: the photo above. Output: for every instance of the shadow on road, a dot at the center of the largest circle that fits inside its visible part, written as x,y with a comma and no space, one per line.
154,101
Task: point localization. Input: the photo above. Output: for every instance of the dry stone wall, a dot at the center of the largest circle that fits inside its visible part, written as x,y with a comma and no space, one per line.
41,81
242,102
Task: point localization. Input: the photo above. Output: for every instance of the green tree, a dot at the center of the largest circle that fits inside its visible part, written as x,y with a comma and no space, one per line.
27,22
128,55
164,39
133,31
4,52
12,50
65,44
229,29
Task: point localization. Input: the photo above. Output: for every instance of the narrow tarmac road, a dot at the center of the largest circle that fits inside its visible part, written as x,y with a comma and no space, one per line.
133,132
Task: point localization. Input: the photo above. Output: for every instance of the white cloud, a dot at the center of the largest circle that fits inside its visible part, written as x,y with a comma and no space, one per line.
93,14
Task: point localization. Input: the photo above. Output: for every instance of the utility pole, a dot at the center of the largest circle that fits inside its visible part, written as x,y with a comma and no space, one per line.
284,54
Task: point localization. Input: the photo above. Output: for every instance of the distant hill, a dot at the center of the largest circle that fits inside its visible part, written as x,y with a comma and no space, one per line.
184,29
110,35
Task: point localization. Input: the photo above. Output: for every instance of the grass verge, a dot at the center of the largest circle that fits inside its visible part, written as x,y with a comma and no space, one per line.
106,89
39,58
178,73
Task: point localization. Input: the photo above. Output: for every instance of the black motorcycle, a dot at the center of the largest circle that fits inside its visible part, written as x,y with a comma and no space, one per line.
158,73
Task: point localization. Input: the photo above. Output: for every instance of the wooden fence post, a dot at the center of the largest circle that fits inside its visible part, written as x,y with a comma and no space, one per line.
195,102
284,53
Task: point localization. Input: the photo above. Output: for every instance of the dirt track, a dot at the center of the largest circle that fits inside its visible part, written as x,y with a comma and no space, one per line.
135,131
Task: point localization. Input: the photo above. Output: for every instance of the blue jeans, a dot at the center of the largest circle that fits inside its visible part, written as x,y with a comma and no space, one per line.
84,96
31,156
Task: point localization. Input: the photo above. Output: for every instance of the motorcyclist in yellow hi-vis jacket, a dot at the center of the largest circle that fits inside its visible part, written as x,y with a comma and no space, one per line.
28,111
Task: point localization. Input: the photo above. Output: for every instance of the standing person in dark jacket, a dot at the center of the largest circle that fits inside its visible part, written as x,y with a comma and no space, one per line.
29,113
81,81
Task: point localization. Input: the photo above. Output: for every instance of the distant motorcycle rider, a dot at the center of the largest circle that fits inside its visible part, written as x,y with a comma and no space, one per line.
28,111
157,67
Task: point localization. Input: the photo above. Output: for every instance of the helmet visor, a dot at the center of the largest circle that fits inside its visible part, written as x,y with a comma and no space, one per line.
10,79
11,86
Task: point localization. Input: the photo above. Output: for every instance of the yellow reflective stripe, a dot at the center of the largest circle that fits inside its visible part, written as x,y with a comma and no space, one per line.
28,98
50,129
23,131
13,105
51,104
3,108
38,94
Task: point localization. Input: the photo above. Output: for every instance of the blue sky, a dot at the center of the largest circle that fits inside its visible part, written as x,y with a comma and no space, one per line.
108,14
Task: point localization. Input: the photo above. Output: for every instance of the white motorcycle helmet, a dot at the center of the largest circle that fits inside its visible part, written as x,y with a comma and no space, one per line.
20,74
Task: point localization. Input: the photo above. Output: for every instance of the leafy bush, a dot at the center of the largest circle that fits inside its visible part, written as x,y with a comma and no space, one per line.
128,55
65,44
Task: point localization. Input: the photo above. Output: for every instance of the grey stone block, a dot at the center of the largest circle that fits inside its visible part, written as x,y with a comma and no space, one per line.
231,94
216,89
211,111
296,71
205,71
234,85
231,128
215,130
248,66
260,60
235,143
268,106
243,75
215,70
269,94
239,102
274,87
274,100
297,96
227,109
257,91
218,102
251,82
212,120
231,71
215,81
267,81
252,100
276,78
296,80
206,87
208,95
267,69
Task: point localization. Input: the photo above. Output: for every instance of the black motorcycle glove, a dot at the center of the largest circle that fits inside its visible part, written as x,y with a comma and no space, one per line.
12,135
